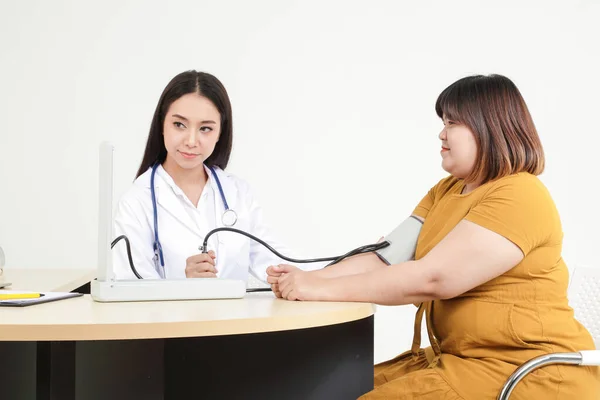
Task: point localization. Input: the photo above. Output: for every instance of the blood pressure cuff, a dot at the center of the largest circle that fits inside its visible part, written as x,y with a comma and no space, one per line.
403,242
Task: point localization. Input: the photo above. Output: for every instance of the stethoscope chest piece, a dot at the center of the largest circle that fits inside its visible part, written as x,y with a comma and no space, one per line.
229,217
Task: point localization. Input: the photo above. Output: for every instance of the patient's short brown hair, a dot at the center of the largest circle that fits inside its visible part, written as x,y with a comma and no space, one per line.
493,108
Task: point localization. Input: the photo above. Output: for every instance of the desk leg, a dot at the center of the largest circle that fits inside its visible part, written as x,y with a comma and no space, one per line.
55,370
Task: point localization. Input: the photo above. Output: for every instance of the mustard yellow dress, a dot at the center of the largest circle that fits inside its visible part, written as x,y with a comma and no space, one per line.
480,337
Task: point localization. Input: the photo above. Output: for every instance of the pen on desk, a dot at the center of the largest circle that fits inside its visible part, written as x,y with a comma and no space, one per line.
16,296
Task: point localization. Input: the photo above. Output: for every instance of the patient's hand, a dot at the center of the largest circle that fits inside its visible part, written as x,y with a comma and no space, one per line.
274,272
296,284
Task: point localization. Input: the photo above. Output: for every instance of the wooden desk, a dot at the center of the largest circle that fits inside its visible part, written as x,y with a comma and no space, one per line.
48,280
257,347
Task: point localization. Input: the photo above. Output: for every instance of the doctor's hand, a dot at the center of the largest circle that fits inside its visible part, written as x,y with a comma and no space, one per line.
296,284
273,274
201,266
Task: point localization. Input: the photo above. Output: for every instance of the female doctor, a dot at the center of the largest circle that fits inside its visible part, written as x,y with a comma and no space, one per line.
182,192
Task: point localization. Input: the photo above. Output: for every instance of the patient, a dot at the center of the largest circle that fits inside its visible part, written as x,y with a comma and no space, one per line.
488,275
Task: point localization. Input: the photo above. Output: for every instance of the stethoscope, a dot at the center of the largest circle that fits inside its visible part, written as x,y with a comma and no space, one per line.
229,217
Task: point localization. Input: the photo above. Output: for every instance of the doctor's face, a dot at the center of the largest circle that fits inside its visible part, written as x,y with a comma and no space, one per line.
459,149
191,130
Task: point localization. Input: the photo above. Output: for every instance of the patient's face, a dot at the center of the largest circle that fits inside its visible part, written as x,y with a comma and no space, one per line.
459,149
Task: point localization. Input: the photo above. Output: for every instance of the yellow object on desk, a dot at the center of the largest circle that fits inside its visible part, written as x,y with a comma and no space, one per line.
13,296
9,298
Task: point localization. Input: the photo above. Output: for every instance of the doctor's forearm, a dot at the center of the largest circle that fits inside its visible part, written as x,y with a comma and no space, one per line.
393,285
358,264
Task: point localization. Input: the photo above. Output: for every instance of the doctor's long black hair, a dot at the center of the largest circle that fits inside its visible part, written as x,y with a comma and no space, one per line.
205,85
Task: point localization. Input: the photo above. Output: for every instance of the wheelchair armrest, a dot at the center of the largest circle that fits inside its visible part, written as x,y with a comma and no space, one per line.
588,357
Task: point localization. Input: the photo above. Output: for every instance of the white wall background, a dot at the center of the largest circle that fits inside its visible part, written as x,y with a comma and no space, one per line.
333,110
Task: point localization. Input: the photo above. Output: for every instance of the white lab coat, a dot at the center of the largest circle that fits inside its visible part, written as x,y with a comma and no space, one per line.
180,235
